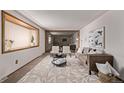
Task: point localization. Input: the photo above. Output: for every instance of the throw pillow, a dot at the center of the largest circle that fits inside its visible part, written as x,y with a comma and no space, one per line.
114,72
103,68
99,51
79,50
86,50
92,51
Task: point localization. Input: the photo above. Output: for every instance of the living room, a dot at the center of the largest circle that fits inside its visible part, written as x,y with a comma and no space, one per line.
96,34
66,46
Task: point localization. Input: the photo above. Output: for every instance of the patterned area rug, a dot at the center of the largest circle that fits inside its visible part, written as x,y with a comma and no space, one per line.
46,72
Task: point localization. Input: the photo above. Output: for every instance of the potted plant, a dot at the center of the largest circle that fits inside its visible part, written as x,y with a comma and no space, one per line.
32,41
9,44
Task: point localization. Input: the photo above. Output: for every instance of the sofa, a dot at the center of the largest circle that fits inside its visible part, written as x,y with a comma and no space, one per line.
82,55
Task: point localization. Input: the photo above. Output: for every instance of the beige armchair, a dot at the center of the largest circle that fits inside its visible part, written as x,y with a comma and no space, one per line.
55,50
66,50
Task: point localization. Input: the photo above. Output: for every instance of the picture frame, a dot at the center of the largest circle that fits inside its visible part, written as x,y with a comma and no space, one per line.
14,31
96,38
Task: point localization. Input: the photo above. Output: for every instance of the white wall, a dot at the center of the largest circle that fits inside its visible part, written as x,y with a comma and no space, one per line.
114,36
7,60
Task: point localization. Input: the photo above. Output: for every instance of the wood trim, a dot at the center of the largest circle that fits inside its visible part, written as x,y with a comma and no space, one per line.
3,13
18,19
45,41
79,39
104,37
2,31
62,30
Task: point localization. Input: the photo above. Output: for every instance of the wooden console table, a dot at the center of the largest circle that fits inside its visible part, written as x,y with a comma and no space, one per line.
92,59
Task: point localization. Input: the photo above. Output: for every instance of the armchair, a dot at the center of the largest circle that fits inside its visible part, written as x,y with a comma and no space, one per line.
55,50
66,50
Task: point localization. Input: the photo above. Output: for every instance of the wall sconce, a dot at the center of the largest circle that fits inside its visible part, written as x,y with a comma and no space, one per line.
77,39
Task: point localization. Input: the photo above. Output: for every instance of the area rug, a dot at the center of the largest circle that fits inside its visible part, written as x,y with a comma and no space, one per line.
46,72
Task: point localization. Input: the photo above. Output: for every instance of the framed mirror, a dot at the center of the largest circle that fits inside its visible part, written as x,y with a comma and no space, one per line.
17,34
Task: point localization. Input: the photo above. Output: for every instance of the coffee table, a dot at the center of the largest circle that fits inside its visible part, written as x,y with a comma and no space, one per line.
59,61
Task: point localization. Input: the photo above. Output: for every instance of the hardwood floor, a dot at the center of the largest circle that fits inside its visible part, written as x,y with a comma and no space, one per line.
18,74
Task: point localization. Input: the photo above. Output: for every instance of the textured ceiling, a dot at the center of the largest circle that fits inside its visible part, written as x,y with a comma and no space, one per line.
62,19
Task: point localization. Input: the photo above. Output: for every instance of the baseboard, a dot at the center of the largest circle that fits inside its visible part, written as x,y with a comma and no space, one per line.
24,65
3,79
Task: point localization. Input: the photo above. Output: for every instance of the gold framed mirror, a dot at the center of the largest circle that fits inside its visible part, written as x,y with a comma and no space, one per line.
17,34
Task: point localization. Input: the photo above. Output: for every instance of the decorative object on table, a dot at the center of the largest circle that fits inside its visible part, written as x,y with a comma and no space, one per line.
59,59
96,38
20,32
32,41
8,44
96,51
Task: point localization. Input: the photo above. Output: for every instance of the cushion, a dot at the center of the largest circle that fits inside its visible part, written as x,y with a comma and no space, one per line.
92,51
96,50
86,50
113,71
79,50
99,50
103,68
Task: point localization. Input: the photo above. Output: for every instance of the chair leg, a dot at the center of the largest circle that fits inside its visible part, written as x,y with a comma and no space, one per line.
89,72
